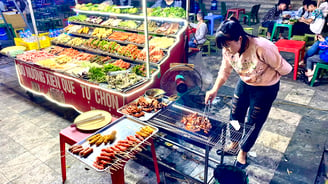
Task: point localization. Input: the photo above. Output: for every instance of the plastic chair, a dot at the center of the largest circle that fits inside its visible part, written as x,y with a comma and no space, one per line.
252,15
262,31
276,26
310,39
299,38
317,68
248,30
208,45
211,39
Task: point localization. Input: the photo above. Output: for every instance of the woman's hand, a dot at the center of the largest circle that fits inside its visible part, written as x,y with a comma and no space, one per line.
210,95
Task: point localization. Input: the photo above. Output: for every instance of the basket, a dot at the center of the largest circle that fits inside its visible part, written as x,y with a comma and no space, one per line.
33,45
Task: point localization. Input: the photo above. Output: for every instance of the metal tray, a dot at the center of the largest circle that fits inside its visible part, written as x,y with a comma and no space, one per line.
148,115
125,126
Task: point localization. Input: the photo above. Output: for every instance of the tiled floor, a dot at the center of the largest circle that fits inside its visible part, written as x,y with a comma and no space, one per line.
291,140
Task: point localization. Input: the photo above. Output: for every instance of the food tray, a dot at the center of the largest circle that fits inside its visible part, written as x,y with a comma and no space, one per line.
125,126
148,115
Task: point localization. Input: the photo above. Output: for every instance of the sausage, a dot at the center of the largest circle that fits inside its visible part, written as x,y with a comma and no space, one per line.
139,137
87,152
131,138
74,147
77,151
103,158
107,150
107,154
104,162
115,149
96,165
123,141
124,144
121,148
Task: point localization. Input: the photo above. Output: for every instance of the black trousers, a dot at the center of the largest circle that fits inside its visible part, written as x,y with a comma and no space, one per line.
258,101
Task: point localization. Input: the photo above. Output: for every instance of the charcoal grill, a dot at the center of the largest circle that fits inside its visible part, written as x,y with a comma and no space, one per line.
169,120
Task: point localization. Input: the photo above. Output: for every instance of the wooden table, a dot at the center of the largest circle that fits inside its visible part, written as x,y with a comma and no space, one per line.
71,135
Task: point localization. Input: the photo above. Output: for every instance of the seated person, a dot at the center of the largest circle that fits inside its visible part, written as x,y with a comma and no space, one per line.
300,27
312,56
316,21
167,3
272,16
323,7
201,31
288,5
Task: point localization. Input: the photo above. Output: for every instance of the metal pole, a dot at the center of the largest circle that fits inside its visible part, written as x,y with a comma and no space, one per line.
144,8
21,13
33,22
187,10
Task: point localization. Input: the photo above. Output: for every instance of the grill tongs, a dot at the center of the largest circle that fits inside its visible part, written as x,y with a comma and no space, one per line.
207,109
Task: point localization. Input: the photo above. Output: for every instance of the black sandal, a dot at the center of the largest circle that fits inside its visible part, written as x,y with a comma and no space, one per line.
240,165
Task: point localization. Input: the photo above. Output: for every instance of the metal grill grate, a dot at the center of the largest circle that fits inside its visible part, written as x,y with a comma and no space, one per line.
219,135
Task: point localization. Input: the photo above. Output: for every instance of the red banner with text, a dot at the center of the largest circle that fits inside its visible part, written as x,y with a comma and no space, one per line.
68,91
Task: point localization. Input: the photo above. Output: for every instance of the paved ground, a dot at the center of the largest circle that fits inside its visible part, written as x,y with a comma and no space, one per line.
288,150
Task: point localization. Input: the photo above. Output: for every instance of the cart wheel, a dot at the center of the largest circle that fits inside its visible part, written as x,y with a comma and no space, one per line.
30,95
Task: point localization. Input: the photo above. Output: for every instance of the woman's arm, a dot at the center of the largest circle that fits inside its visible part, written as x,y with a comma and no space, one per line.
271,56
224,73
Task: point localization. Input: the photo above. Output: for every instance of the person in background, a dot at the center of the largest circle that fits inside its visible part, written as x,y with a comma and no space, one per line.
259,65
201,31
274,14
316,21
300,27
287,2
323,6
311,57
167,3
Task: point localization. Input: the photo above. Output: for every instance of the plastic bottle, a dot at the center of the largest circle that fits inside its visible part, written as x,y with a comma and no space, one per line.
28,33
57,32
21,34
214,5
51,34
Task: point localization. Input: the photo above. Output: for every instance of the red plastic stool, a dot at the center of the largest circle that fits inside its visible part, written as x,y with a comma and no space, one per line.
296,47
71,136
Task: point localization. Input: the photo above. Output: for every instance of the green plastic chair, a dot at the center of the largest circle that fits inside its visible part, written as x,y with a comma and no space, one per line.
252,15
317,68
248,30
223,9
262,31
211,39
276,26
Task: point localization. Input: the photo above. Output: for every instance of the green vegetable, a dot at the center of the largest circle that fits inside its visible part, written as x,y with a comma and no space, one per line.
174,12
111,68
97,74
